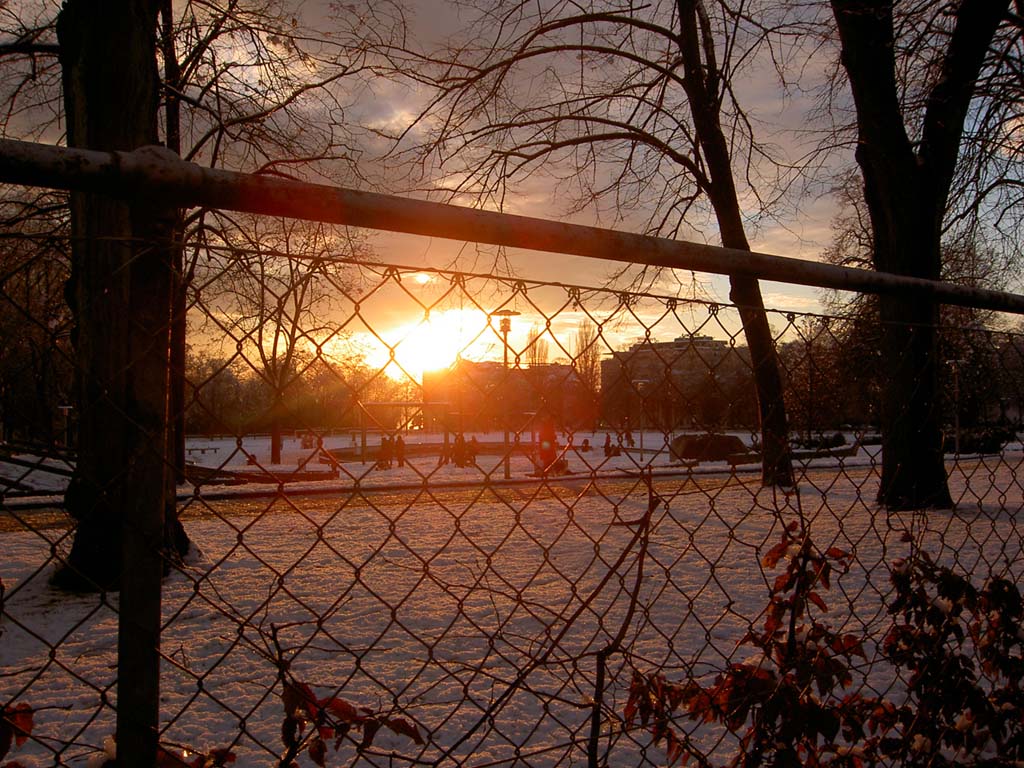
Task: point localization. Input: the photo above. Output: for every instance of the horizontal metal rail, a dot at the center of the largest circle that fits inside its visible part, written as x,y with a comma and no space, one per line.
156,174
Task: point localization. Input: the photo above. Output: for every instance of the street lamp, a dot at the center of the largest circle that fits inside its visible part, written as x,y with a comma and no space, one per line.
955,365
640,386
66,412
505,326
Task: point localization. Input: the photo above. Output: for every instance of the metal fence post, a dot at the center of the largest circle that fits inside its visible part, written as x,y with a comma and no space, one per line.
138,692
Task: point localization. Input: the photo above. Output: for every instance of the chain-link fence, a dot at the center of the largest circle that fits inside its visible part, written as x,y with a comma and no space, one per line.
464,519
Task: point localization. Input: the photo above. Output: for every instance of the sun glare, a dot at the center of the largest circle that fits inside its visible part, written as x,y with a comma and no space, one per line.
433,344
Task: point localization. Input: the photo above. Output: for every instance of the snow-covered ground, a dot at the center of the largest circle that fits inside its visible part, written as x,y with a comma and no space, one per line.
251,455
475,612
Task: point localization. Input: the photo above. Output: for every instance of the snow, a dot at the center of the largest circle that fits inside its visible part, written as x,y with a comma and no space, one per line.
428,600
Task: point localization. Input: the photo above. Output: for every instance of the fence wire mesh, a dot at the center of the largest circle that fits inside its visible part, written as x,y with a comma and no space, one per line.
453,519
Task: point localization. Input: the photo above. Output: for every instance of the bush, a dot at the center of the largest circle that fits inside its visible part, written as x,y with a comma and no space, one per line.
958,649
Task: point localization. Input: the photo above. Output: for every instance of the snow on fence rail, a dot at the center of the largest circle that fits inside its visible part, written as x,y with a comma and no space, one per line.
573,508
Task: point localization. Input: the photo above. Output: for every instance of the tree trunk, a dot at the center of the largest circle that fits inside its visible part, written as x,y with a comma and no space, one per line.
699,80
906,188
111,96
913,463
776,463
172,130
275,435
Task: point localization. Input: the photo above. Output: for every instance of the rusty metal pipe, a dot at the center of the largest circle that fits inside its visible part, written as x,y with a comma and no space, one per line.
157,174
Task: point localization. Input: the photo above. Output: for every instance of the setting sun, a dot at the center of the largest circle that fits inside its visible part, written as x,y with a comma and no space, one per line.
432,343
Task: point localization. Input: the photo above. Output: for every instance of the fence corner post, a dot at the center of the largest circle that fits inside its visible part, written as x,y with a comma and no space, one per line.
147,490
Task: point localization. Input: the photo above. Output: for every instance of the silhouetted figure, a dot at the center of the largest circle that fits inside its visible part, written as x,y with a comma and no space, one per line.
585,445
607,444
473,449
400,451
459,450
384,459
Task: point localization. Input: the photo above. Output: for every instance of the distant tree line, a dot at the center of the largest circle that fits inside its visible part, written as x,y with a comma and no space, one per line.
835,373
35,322
228,395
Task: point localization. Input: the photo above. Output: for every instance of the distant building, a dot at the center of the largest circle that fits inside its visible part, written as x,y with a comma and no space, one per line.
690,382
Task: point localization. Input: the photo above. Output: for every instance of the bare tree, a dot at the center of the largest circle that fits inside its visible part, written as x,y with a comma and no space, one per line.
247,84
705,85
35,367
257,85
537,347
985,203
908,152
273,283
586,356
119,298
630,110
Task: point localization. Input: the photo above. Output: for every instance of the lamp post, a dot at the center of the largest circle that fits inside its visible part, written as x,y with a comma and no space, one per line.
640,386
955,365
66,412
505,326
